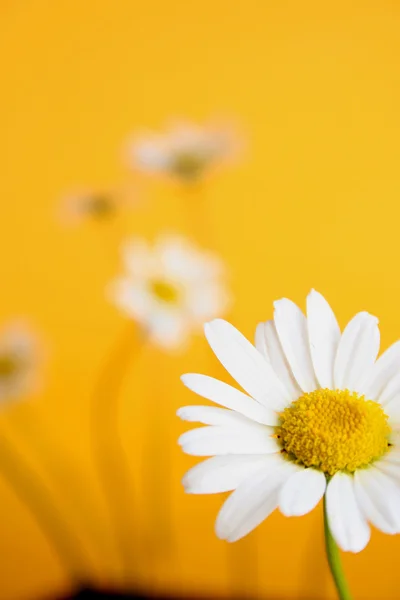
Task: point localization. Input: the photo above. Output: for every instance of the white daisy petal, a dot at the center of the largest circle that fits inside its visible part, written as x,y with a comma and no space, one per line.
217,440
384,370
278,359
221,473
357,351
253,500
212,415
391,468
391,391
260,342
291,326
392,409
394,436
228,396
167,329
302,492
245,364
324,336
348,525
379,499
393,456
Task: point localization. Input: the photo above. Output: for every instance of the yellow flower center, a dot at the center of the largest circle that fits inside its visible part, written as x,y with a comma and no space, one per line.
101,206
165,291
8,366
189,165
334,431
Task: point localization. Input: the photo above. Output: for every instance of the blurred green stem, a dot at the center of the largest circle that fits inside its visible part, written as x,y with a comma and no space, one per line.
335,564
62,470
112,463
36,496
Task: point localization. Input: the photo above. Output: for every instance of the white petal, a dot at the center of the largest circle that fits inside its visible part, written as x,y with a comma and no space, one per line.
209,441
278,359
348,525
392,409
138,258
212,415
260,342
391,391
392,456
391,468
291,326
358,349
302,492
206,300
379,499
150,155
168,329
324,336
394,436
253,500
133,299
245,364
384,370
228,396
221,473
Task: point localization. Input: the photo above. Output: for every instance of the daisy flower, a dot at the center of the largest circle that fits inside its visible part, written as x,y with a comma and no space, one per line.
98,205
184,152
18,362
169,288
320,418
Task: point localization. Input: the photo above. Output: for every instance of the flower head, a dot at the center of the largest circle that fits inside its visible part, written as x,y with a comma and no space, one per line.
18,362
321,416
97,205
184,152
169,288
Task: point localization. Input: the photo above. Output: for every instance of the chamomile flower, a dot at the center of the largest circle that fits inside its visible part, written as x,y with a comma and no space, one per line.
321,417
169,288
19,358
96,205
185,152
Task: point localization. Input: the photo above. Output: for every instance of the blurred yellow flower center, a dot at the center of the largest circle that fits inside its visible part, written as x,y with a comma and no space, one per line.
189,165
101,206
165,291
334,431
8,366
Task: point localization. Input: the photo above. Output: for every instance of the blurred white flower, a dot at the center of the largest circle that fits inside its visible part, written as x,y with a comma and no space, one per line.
98,205
170,288
185,151
19,357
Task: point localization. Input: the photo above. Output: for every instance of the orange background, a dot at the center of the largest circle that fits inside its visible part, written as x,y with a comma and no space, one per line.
315,89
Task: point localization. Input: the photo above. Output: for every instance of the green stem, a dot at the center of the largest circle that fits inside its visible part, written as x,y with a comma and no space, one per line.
33,492
112,462
335,564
